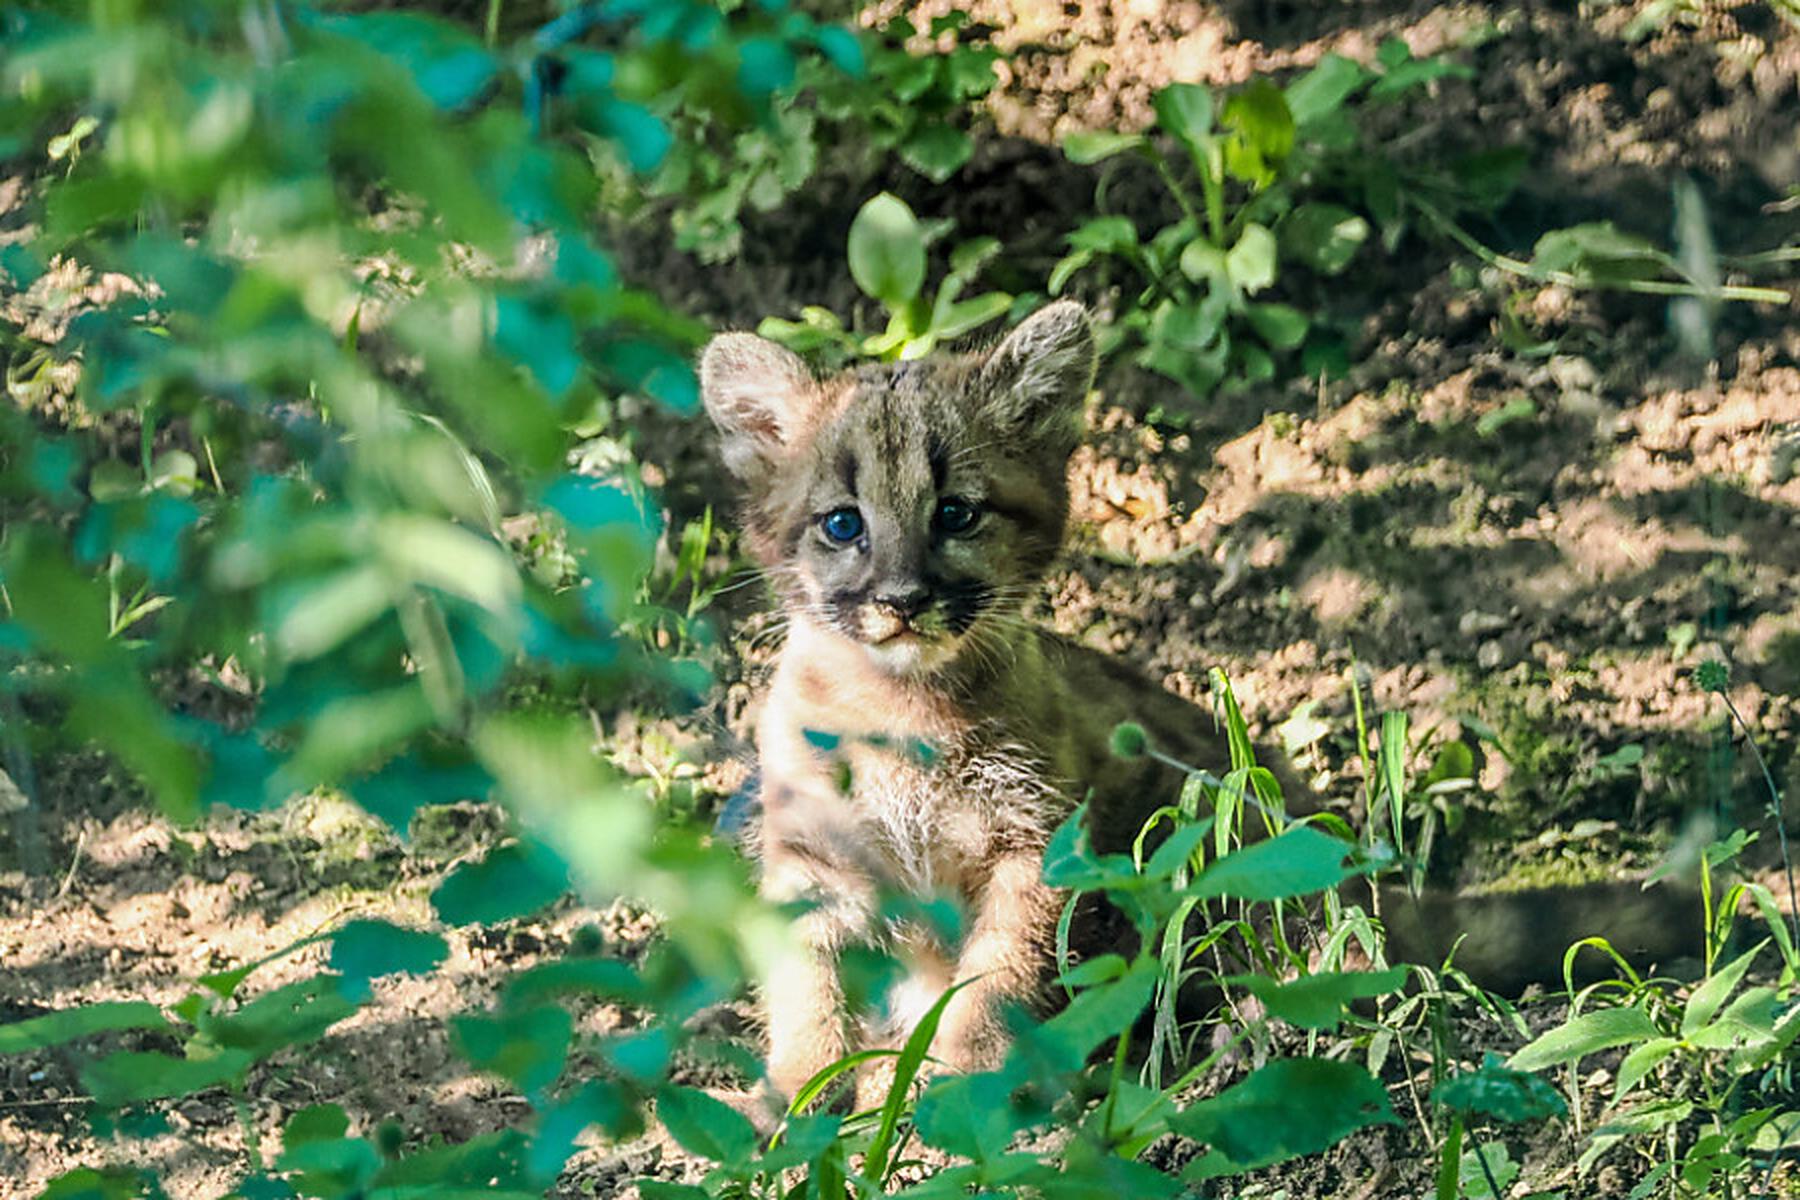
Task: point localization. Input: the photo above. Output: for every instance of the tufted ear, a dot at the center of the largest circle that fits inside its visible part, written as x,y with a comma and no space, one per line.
759,394
1036,381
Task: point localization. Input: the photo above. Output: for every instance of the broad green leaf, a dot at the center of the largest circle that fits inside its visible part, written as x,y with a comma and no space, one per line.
1263,132
447,64
1711,995
1107,235
1070,861
937,151
1497,1092
967,1115
315,1123
1096,1014
526,1047
887,251
1185,110
959,318
705,1126
367,949
765,65
1251,263
1319,1001
1584,1035
1641,1061
1288,1108
1280,325
1598,250
510,882
132,1077
289,1015
1298,863
1323,236
53,1029
1322,90
1749,1020
1091,147
321,615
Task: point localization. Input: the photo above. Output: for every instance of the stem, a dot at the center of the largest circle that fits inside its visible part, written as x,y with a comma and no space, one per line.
1653,287
1787,859
1173,184
1481,1157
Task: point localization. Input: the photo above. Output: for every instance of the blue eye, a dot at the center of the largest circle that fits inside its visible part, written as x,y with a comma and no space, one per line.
842,524
956,516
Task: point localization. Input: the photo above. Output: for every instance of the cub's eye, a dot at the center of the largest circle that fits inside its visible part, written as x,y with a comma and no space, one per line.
842,524
957,516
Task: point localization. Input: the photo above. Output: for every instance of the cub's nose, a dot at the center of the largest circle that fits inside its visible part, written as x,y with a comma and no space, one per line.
905,603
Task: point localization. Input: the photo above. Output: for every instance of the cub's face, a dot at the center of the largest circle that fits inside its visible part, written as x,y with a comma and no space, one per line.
908,507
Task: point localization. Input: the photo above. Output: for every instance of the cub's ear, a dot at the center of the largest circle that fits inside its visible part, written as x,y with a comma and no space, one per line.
758,394
1036,381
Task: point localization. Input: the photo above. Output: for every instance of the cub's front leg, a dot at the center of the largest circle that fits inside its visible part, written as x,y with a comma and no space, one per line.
802,997
1005,960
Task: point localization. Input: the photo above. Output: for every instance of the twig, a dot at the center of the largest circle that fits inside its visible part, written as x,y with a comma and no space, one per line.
1653,287
74,861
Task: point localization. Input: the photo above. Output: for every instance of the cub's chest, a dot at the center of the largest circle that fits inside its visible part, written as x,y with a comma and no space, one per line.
933,820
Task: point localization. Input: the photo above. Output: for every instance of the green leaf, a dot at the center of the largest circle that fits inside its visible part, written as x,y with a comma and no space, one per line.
956,319
1263,132
1710,996
1298,863
289,1015
1070,861
1641,1061
1500,1093
367,949
53,1029
937,151
1185,110
315,1123
510,882
1095,145
1748,1020
1597,251
1094,1015
842,49
1323,90
967,1115
1323,236
527,1047
765,65
448,65
1319,1001
1251,263
132,1077
1280,325
887,251
705,1126
1288,1108
1584,1035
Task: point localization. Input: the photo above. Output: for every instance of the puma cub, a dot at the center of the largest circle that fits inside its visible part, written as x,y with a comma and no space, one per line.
905,513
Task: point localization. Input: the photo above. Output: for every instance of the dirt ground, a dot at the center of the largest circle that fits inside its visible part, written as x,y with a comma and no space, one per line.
1535,546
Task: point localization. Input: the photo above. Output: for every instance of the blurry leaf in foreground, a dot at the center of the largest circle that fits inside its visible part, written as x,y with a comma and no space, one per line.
1289,1107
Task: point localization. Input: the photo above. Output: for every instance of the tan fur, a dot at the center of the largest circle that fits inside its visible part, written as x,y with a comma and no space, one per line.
912,637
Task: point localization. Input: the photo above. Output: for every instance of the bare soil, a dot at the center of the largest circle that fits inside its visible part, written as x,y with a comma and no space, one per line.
1550,579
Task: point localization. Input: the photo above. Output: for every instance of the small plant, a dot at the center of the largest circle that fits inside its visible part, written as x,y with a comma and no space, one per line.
911,104
887,252
1253,185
